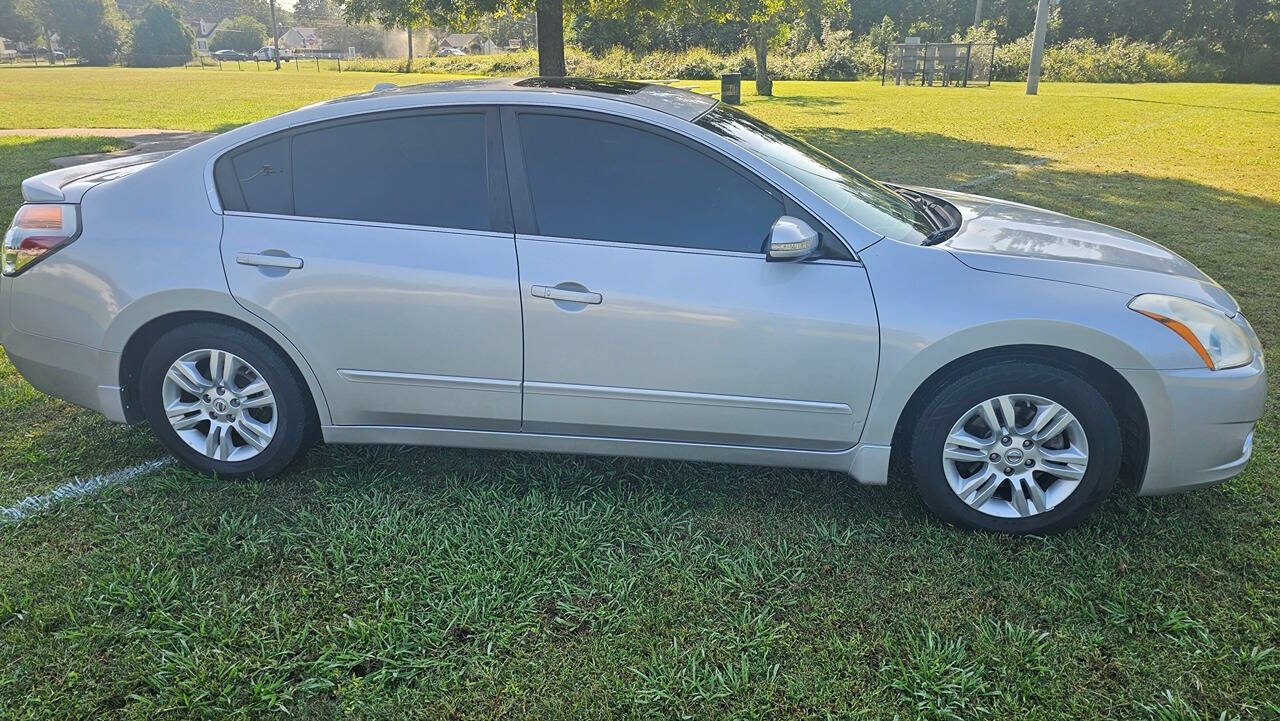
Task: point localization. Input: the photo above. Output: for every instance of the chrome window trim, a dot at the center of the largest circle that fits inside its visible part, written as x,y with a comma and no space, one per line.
673,249
369,224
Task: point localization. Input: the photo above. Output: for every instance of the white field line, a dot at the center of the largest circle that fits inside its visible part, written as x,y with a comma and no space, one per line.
76,488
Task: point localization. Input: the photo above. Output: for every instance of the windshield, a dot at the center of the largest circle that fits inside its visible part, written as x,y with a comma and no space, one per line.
871,204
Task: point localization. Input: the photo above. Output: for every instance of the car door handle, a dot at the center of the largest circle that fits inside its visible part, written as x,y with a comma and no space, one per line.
573,296
269,261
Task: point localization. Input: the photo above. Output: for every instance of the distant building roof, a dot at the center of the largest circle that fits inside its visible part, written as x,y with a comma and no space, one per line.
460,40
203,28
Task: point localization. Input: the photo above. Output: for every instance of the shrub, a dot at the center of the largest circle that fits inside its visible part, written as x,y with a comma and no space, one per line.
1086,61
845,57
160,38
242,33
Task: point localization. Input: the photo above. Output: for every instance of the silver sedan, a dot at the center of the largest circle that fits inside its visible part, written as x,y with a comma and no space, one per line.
627,269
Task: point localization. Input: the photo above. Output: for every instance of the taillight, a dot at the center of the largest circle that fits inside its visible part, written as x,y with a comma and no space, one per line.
38,230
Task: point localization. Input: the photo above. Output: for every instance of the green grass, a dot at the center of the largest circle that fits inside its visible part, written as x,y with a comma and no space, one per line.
171,98
424,583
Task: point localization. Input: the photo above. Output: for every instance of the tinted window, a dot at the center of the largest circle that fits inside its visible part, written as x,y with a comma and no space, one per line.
599,180
424,170
263,174
876,207
417,170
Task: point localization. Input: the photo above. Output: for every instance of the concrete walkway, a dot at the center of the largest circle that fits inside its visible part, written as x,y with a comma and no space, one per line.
141,140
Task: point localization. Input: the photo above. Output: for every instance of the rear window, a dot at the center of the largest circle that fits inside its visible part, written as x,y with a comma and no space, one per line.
429,170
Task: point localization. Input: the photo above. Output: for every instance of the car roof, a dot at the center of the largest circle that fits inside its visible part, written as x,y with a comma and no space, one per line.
673,101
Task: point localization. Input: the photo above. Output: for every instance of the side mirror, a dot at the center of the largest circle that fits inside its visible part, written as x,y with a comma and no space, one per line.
791,239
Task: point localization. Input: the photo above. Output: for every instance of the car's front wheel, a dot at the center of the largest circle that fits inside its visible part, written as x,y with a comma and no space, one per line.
224,401
1016,447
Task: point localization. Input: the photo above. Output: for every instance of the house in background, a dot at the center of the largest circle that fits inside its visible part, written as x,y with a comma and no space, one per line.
300,38
470,43
203,30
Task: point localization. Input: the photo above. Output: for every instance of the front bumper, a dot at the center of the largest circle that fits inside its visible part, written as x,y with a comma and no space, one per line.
1201,423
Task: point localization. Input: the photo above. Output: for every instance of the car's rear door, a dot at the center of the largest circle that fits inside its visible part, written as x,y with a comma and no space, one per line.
381,246
649,309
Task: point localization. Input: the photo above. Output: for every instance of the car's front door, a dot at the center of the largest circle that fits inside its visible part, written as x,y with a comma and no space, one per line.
649,309
381,246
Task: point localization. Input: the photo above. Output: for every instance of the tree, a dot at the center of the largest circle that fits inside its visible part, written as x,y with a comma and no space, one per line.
395,14
366,39
18,21
241,33
160,38
93,30
765,21
314,12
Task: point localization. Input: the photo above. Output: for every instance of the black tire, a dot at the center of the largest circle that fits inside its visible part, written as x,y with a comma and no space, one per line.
294,425
958,395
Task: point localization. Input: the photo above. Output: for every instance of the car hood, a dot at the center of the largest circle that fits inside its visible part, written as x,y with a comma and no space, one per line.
1005,237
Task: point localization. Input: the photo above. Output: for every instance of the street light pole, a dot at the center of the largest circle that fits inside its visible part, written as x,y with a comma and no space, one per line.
977,14
1037,47
275,33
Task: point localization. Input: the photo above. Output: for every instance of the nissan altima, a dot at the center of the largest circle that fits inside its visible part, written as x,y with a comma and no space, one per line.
627,269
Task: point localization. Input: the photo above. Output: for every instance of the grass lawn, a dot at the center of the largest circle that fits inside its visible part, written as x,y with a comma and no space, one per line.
427,583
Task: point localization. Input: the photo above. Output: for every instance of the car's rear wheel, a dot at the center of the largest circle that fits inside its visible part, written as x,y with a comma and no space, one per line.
1016,447
224,401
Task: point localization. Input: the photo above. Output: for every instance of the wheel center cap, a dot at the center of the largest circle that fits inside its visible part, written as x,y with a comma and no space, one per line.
220,406
1013,456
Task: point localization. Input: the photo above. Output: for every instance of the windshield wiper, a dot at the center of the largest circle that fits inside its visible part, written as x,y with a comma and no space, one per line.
944,222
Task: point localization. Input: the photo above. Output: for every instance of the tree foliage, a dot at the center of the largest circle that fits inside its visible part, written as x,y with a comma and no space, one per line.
366,39
242,33
160,38
18,21
93,30
315,12
1241,36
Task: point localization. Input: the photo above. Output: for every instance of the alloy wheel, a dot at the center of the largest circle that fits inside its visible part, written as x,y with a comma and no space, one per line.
219,405
1015,456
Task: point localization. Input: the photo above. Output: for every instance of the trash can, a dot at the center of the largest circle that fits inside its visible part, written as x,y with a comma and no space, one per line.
731,88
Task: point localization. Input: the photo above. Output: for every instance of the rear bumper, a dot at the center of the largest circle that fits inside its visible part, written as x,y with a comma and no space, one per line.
82,375
1201,424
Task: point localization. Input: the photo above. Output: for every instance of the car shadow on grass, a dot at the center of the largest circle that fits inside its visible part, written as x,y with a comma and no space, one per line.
928,159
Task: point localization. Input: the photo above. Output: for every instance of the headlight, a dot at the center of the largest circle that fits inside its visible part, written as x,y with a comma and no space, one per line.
1216,338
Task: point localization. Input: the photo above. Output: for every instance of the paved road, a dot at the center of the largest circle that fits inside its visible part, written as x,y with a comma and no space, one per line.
143,140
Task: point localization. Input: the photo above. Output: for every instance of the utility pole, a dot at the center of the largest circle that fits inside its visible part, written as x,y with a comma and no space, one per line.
275,33
1037,47
977,14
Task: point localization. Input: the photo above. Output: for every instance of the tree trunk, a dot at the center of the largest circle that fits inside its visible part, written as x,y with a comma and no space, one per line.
408,64
814,21
764,86
550,14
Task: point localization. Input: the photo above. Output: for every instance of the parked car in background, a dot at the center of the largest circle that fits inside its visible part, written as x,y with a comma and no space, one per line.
229,55
625,269
56,55
450,52
269,53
